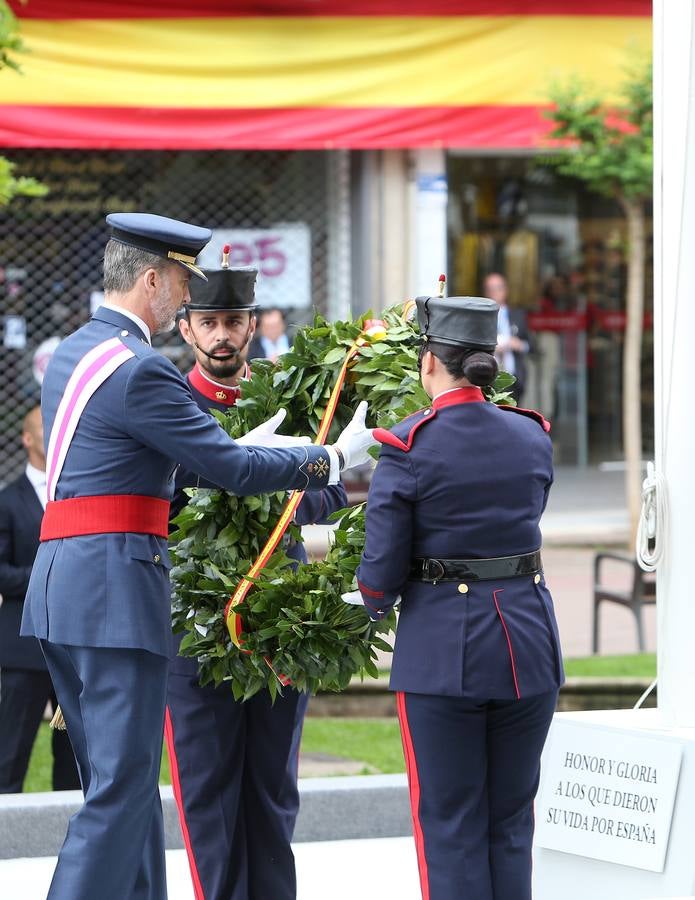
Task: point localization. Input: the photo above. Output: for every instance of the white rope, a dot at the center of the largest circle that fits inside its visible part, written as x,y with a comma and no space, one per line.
652,528
645,695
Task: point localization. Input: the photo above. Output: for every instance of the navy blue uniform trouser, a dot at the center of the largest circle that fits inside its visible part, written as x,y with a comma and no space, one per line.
473,770
234,770
23,697
113,701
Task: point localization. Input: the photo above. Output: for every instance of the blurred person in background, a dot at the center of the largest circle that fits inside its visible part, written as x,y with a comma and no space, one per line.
513,337
270,340
25,685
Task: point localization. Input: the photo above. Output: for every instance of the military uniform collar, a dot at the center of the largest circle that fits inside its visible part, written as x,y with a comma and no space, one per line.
213,390
455,396
123,319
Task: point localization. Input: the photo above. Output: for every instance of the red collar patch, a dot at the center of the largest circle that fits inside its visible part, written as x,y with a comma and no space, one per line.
460,395
220,393
450,398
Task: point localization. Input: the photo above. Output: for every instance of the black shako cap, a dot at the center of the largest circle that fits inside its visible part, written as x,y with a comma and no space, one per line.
460,321
169,238
224,289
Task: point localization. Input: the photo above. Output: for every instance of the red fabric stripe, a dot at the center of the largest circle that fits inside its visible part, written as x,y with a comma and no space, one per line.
306,128
385,437
529,413
105,514
176,786
378,595
460,395
168,9
509,641
220,393
414,790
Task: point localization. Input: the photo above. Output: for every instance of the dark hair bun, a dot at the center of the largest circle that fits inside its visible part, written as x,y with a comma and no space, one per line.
480,368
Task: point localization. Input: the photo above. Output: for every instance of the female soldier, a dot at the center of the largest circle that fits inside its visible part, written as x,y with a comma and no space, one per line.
452,527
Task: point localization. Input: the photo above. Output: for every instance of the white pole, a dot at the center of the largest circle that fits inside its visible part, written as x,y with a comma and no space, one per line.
429,249
674,349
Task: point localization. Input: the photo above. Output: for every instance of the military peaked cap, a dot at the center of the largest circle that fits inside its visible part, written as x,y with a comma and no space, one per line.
169,238
469,322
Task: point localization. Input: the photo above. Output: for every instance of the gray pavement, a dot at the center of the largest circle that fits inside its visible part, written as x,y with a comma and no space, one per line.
376,869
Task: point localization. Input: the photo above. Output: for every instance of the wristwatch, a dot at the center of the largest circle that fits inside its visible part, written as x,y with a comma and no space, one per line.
341,458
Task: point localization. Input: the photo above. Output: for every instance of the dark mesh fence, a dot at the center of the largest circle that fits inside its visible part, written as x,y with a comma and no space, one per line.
51,247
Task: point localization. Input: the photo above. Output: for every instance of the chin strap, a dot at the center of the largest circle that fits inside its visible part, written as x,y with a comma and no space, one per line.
228,356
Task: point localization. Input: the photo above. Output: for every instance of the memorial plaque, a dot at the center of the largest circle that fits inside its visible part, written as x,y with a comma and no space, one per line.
607,795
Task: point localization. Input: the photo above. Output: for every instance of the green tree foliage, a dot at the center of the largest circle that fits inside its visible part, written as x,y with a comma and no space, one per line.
10,46
10,41
610,149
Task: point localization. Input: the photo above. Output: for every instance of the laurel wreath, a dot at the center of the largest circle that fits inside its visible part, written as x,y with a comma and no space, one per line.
296,627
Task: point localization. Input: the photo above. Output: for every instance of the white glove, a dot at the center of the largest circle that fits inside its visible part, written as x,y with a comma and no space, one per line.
354,598
264,434
355,439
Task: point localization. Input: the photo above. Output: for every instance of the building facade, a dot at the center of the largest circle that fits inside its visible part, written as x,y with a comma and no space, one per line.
351,151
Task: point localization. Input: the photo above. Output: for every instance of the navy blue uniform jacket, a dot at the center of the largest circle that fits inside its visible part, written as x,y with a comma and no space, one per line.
463,479
112,590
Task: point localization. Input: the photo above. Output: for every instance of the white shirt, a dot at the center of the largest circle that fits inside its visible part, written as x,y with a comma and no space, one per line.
133,318
273,349
447,391
37,477
504,327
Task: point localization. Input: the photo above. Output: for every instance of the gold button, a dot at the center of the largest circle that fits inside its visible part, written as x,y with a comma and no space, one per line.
537,579
463,589
156,558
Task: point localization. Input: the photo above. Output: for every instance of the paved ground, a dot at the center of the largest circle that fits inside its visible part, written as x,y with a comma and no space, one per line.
378,869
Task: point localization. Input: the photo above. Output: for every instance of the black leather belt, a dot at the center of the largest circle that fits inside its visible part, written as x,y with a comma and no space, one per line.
434,570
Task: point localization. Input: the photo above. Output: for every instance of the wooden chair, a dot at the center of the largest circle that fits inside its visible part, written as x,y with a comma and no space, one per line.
640,590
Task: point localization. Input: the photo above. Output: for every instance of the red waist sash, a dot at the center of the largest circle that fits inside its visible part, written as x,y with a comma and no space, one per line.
104,514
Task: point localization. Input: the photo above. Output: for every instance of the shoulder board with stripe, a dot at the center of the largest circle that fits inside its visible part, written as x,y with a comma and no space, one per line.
384,436
530,414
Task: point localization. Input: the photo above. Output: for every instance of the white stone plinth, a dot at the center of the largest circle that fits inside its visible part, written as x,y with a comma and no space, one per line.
572,877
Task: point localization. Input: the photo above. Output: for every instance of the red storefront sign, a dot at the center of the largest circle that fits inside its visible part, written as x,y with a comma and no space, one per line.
574,321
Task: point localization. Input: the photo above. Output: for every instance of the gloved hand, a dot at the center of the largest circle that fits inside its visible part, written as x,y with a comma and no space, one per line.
355,439
352,597
263,435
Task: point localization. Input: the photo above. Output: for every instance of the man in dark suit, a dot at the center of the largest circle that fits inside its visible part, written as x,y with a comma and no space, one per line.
513,338
25,685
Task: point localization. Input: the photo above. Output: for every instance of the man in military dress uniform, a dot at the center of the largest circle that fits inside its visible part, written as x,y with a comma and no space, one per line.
452,530
118,417
234,763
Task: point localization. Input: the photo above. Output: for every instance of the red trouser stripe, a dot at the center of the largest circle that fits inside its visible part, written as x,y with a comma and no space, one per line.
176,785
414,788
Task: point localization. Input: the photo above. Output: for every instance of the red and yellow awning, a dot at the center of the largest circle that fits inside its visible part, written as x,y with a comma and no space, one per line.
306,74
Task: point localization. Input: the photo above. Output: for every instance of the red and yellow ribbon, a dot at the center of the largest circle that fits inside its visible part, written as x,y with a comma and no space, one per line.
374,329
